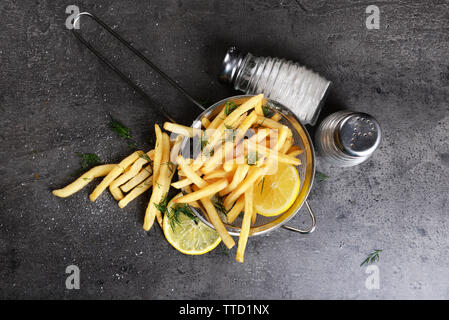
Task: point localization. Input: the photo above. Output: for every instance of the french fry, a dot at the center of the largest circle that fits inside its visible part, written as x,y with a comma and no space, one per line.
244,126
229,121
83,180
190,173
216,221
254,216
239,175
274,154
160,187
283,133
260,135
218,119
251,178
217,174
288,143
240,120
238,158
231,159
168,174
179,129
139,178
113,174
214,161
137,191
229,166
133,171
295,153
276,117
295,148
204,192
158,152
246,224
176,148
116,193
188,189
205,122
259,110
236,209
268,123
182,183
206,148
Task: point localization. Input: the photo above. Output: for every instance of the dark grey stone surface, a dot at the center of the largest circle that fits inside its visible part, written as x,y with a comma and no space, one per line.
56,99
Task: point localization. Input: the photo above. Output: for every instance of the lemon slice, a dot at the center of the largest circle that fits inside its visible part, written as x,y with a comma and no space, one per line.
276,193
187,233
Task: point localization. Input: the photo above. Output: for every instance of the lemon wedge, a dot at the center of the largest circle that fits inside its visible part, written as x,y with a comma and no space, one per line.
185,232
275,193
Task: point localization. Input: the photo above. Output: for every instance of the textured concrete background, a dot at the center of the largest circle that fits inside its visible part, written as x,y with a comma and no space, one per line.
56,99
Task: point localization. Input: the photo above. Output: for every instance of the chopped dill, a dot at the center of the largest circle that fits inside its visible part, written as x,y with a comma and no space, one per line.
267,112
123,132
203,142
321,176
120,129
88,160
229,107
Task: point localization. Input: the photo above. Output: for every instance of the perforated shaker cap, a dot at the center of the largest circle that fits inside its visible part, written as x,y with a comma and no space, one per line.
358,134
231,64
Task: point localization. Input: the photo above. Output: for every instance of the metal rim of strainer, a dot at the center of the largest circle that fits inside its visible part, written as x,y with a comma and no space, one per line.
308,166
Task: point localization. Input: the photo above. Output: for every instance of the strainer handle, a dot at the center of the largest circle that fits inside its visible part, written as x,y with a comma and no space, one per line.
312,227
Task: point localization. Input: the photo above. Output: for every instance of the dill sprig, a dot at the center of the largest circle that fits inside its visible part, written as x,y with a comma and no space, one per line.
123,132
162,206
204,142
372,257
263,182
178,209
171,166
88,160
320,176
120,129
218,204
144,156
267,112
229,107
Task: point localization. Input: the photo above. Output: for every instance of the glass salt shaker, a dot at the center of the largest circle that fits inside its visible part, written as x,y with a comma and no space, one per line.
296,87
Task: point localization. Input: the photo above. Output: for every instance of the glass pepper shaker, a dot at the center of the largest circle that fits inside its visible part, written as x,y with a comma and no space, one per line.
296,87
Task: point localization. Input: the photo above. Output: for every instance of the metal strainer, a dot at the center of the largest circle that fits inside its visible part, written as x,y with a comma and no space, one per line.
300,135
306,170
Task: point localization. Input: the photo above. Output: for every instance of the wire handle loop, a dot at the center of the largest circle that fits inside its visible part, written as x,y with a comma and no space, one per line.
139,55
311,228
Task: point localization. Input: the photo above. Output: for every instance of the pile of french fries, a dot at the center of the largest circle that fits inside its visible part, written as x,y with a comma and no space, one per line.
239,146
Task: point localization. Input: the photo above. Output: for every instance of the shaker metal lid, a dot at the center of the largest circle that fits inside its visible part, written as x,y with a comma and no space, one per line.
231,63
358,134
